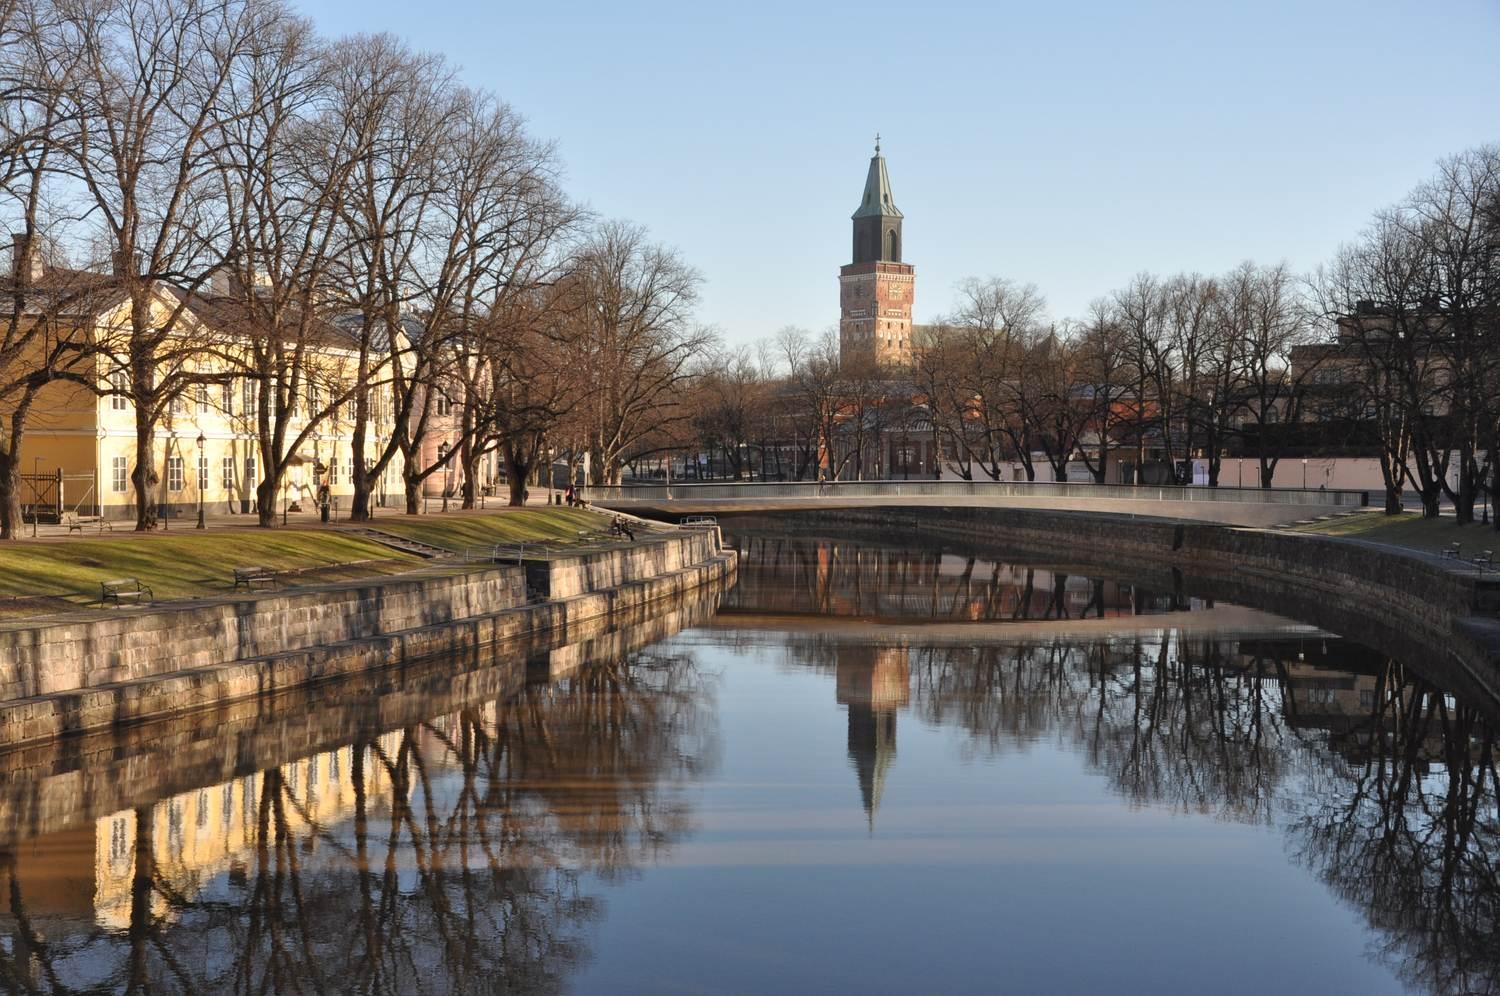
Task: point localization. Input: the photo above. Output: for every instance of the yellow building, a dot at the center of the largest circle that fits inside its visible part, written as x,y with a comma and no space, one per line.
206,445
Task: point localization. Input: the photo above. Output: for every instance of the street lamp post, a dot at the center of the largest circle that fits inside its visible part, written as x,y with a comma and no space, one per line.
550,467
201,482
36,479
443,458
1304,473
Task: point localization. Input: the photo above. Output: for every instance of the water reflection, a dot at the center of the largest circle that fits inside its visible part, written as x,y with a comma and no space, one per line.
470,826
1384,785
446,854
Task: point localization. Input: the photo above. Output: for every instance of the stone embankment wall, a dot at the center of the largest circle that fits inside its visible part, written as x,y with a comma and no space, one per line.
1424,610
116,668
52,785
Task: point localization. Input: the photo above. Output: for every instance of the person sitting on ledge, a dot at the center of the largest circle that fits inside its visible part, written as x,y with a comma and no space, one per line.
619,527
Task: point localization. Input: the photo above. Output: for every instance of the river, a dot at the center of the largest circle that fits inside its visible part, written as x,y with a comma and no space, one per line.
866,768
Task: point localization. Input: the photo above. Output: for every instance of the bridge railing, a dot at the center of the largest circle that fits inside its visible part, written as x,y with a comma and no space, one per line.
761,491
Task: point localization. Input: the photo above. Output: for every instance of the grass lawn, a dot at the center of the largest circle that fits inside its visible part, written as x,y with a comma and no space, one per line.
1410,530
455,531
176,565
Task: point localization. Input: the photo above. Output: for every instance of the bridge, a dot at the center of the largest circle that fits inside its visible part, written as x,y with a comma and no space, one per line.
1226,505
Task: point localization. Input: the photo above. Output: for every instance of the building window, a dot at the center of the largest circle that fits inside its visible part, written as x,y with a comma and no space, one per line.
119,473
251,401
228,471
178,405
226,397
333,473
119,382
174,473
314,399
251,482
202,399
444,405
202,472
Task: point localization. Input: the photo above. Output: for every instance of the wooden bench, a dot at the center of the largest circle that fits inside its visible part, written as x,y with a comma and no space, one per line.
1484,561
689,521
122,590
1454,552
252,576
70,519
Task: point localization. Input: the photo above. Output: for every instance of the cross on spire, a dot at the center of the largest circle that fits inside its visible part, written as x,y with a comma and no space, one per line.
877,143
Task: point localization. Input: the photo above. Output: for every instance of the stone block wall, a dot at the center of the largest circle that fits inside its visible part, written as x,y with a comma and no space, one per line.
208,654
134,643
1422,609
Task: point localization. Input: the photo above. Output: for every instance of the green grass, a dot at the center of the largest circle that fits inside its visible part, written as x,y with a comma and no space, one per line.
455,531
1410,530
51,575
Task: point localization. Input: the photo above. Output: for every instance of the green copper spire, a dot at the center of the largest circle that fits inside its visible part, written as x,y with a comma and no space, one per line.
877,202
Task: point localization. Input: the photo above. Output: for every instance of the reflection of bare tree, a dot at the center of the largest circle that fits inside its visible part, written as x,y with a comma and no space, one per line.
1391,785
1408,829
447,856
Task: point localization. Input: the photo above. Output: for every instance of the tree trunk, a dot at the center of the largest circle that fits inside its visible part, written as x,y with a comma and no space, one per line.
10,495
144,476
411,485
265,503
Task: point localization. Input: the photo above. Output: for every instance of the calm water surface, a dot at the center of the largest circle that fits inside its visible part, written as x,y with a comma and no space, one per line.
864,769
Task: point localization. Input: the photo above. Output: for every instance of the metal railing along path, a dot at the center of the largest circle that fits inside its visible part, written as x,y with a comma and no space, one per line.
975,489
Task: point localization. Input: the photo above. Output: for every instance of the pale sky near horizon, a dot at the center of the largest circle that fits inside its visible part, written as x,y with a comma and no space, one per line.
1066,144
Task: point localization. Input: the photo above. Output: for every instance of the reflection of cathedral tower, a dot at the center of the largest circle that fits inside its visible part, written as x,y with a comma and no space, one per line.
873,682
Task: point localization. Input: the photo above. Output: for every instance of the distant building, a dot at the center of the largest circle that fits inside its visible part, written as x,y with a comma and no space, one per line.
876,289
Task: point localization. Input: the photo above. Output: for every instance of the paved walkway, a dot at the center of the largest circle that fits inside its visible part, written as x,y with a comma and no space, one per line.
220,519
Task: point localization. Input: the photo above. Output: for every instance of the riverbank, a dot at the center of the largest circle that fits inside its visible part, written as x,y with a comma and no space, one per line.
56,784
1430,612
129,665
62,572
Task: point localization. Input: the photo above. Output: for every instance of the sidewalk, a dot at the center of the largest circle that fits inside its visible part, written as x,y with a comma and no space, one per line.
220,519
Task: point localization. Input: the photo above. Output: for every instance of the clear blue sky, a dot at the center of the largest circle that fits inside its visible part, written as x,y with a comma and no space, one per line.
1069,144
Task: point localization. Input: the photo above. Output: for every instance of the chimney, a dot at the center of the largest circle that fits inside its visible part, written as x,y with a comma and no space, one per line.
26,262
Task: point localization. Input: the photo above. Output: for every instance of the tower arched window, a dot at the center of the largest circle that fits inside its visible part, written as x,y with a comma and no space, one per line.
893,246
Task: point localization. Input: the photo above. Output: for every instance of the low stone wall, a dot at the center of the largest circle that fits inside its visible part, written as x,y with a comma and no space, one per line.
146,664
130,644
564,577
1416,606
54,784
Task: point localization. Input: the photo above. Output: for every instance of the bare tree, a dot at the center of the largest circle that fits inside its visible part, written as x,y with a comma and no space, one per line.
151,97
630,304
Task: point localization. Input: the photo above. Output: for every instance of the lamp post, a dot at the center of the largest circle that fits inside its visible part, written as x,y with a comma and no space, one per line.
1304,473
551,465
443,459
201,475
36,479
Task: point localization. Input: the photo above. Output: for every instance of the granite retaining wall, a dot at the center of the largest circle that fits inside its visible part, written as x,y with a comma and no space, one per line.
1422,609
56,784
110,670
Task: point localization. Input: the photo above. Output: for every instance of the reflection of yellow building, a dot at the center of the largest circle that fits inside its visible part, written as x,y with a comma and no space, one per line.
198,835
89,439
873,682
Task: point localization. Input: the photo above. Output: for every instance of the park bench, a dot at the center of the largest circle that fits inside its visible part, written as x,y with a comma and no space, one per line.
689,521
252,576
70,519
122,590
1484,561
1454,551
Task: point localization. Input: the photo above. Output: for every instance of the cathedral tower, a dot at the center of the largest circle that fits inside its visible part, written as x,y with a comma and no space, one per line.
875,291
